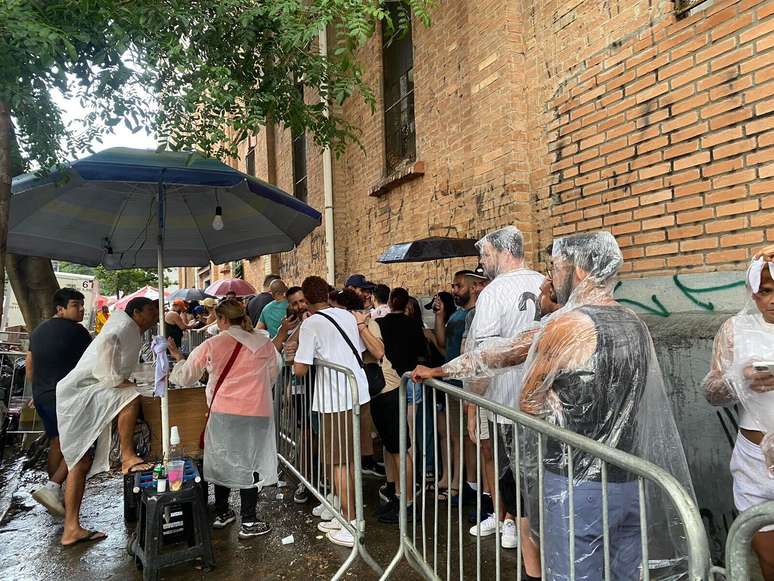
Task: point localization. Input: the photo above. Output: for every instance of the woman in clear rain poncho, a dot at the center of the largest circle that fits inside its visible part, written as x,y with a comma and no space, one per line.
239,442
591,368
742,371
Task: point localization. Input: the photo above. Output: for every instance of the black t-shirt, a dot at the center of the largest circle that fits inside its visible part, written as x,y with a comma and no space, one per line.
255,306
56,346
404,341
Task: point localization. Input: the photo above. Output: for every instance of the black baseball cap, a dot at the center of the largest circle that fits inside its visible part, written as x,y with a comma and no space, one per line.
359,281
478,272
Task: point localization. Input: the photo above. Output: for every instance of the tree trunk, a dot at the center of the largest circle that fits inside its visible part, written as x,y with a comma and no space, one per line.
5,191
34,284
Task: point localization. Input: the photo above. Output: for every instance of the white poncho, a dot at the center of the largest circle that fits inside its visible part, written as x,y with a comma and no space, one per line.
88,399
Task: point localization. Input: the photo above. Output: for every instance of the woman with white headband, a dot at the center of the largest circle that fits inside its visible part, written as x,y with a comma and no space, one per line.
742,372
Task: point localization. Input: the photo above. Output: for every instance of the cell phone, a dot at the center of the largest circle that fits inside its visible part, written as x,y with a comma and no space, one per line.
764,366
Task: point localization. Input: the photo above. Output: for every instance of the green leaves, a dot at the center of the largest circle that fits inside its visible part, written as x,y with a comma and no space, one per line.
215,71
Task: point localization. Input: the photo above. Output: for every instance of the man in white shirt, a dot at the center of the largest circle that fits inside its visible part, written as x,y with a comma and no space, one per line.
506,307
322,336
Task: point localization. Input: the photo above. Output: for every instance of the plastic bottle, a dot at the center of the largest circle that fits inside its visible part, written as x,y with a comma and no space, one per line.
175,451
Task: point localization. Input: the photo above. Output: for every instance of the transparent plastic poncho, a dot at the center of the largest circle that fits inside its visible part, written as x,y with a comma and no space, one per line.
743,364
591,368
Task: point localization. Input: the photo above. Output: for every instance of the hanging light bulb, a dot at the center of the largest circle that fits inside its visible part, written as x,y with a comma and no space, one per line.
217,221
111,259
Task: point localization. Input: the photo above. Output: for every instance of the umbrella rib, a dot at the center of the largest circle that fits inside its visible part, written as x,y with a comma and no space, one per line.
201,235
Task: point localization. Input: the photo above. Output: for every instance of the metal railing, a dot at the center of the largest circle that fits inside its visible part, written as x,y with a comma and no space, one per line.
740,537
435,562
322,450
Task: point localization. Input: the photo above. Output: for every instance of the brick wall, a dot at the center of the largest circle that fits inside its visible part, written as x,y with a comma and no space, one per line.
563,117
665,137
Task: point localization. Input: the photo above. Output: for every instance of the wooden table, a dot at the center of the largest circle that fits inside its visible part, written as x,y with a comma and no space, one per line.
187,411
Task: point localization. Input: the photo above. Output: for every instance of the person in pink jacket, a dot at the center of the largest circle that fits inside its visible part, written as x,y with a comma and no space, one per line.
239,440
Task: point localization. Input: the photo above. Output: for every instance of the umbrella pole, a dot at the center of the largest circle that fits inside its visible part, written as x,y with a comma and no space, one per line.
164,399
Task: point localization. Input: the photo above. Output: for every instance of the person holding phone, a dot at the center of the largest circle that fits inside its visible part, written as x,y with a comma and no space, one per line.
742,371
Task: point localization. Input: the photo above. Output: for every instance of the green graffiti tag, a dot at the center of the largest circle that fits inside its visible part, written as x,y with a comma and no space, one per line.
661,311
689,292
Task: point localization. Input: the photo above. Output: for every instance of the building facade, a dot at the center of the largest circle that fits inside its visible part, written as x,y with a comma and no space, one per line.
646,118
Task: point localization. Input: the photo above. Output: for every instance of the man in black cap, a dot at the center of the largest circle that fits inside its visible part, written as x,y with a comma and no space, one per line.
362,287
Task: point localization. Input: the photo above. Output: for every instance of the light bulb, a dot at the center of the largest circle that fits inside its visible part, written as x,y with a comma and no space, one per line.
217,221
111,259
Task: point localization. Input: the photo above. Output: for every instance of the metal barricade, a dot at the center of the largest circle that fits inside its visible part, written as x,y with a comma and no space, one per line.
322,450
16,414
440,549
740,537
192,338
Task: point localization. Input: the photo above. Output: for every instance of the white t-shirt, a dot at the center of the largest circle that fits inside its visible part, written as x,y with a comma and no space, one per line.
753,341
505,308
320,339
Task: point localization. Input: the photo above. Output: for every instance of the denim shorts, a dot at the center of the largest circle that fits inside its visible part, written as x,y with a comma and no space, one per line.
414,392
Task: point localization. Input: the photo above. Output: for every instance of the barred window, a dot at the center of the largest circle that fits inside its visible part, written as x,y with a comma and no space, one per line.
685,8
299,165
398,66
250,161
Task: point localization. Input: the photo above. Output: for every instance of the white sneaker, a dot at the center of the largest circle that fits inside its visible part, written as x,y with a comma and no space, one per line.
488,527
320,509
341,537
50,499
509,538
327,526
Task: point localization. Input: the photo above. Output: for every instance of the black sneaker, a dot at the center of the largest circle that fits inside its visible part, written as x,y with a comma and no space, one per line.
301,496
392,505
371,468
393,517
387,491
224,519
253,529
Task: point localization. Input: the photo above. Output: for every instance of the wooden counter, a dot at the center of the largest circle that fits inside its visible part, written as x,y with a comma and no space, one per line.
187,409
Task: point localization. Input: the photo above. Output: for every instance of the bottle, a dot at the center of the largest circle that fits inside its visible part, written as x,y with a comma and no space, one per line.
157,469
175,450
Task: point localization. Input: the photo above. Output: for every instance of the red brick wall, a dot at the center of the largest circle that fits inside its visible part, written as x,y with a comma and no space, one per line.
667,140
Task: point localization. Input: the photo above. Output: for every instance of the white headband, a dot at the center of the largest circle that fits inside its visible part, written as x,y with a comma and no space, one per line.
754,273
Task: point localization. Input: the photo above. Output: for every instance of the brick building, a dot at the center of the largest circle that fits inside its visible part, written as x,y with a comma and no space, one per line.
652,120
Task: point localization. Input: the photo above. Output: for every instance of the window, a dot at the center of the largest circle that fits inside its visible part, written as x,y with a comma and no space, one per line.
398,66
250,161
299,165
685,8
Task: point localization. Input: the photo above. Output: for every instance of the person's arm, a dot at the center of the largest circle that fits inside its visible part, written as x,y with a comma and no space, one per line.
186,372
439,330
282,334
373,344
304,357
107,367
28,366
173,318
717,388
566,343
767,253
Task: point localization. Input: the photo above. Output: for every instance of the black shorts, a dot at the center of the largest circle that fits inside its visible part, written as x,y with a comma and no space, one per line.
385,411
47,414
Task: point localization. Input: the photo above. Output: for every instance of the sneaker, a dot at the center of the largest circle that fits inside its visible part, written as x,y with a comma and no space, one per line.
327,526
301,496
341,537
488,527
509,538
392,505
387,491
371,468
487,508
224,519
50,499
320,508
393,517
253,529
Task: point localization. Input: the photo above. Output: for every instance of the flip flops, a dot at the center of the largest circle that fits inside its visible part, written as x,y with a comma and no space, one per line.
140,466
90,537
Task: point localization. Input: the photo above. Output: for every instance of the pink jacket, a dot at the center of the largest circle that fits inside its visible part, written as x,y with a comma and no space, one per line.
247,390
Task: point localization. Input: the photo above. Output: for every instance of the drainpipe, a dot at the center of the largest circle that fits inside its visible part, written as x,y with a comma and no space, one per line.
330,253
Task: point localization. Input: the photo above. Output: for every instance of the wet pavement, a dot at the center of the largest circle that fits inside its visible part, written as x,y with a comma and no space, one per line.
30,550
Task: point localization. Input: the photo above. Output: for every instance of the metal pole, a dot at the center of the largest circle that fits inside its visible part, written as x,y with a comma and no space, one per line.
160,250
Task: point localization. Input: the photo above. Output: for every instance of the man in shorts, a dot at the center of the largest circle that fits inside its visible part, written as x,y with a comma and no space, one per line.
56,345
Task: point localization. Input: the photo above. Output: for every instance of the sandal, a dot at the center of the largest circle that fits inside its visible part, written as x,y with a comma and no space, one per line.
443,495
140,466
90,537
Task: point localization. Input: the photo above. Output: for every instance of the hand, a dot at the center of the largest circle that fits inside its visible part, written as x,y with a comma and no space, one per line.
173,350
767,253
758,381
285,325
421,373
362,318
472,423
438,307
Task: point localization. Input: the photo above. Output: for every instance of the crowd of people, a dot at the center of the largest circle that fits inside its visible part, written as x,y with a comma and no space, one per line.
558,347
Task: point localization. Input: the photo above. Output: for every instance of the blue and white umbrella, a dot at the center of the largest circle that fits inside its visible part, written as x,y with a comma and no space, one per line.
127,208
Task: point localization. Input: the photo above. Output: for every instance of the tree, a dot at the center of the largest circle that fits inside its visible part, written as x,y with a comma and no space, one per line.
216,71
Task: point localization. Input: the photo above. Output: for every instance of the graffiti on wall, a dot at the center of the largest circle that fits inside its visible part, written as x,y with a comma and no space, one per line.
692,293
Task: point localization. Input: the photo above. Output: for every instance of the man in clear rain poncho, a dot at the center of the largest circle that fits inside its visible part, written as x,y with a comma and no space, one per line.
90,397
742,371
591,368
